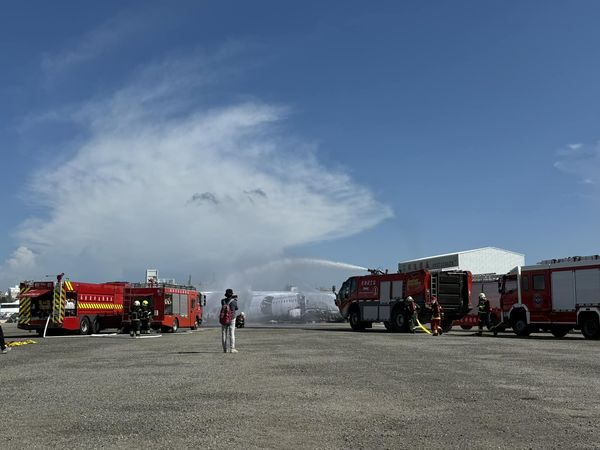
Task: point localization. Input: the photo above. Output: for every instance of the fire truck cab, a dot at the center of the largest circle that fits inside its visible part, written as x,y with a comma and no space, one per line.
555,295
380,297
69,305
172,306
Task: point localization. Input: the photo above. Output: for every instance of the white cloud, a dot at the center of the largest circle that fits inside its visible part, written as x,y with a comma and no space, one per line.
164,181
581,161
21,258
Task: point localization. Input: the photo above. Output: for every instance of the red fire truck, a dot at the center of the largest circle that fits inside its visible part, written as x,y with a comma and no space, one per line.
69,305
379,297
555,295
172,306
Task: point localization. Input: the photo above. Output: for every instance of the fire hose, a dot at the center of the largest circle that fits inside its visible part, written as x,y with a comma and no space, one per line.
19,343
422,327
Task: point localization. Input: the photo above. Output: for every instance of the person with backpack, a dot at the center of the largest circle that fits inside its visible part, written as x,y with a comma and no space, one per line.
227,319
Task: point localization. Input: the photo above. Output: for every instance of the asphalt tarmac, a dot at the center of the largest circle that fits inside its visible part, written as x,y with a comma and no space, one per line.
318,386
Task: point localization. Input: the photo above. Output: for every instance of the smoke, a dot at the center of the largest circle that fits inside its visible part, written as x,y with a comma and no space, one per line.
163,179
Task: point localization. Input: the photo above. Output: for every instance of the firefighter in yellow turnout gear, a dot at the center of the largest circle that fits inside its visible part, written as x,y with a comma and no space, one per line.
146,317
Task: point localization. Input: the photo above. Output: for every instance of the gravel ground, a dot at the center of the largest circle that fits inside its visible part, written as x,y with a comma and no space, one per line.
318,386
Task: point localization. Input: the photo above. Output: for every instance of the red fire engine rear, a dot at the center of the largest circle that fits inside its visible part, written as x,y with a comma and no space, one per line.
172,306
554,295
380,297
69,305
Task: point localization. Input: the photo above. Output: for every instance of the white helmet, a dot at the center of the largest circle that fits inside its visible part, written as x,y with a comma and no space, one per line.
482,296
136,303
409,299
242,313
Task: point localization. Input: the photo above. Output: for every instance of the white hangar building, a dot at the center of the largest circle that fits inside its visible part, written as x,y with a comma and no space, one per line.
486,260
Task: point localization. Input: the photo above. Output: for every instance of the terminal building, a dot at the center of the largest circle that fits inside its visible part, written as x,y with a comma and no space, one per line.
486,260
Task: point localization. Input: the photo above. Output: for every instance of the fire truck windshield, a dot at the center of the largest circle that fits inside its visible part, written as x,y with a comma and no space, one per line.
509,285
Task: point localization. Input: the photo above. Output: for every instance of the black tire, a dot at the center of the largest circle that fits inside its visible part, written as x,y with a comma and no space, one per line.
590,328
446,325
520,326
466,327
399,321
559,332
85,325
95,326
175,326
354,319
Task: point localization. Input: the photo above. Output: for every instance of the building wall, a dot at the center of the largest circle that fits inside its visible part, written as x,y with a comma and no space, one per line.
490,260
478,261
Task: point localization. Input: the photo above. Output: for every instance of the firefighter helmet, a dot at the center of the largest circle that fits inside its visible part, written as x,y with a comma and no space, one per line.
409,299
145,303
482,296
136,303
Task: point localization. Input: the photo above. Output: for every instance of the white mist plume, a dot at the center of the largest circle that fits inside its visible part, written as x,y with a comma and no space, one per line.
163,180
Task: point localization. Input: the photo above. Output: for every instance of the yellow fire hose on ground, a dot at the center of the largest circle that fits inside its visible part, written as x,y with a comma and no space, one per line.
19,343
422,327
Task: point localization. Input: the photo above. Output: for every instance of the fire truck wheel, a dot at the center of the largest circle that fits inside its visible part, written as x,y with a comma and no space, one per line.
175,326
95,326
590,327
520,327
84,326
466,327
559,332
399,322
355,322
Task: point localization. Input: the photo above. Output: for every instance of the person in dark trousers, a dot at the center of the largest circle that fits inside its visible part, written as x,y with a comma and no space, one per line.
484,308
3,347
228,331
436,317
411,312
146,317
135,315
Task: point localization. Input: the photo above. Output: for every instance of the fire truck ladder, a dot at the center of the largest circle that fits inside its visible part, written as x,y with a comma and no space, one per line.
434,284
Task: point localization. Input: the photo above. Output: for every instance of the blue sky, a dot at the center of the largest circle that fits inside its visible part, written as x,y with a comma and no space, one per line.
209,137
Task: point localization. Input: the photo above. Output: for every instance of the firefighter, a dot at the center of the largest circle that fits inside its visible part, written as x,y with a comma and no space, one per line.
411,312
484,309
145,318
135,315
436,317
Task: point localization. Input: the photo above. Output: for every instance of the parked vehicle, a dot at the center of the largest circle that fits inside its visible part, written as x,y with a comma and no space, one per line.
379,297
69,305
555,295
173,306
